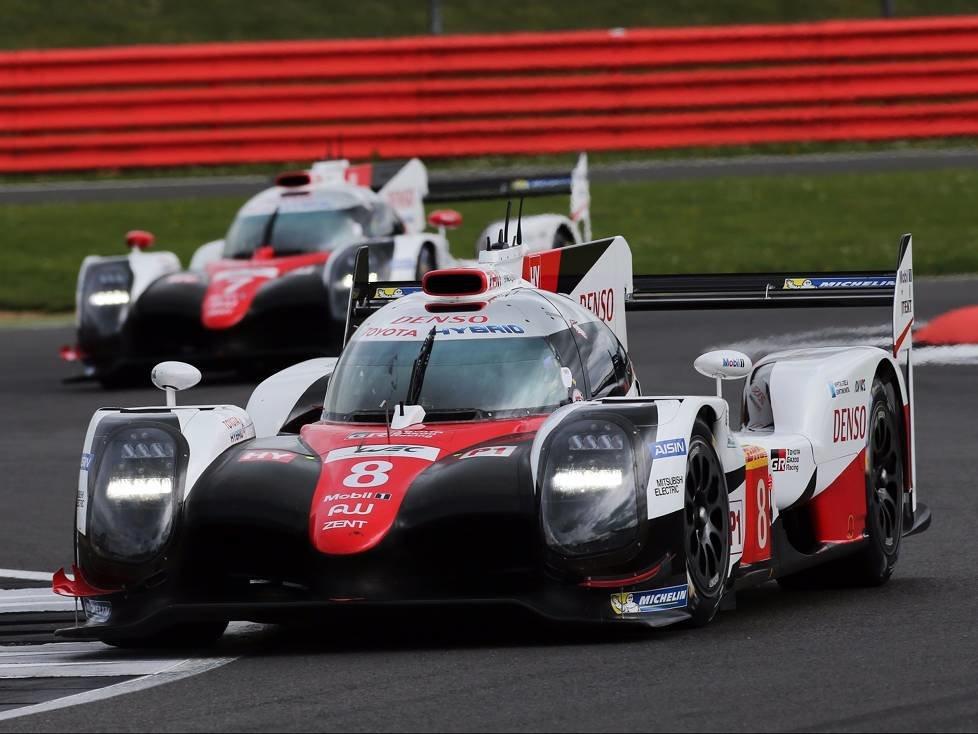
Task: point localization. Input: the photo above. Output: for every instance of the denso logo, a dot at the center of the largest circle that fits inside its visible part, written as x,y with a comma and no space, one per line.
671,447
600,303
849,424
446,319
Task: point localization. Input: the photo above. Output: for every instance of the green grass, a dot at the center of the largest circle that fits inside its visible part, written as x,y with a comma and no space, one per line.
826,222
61,23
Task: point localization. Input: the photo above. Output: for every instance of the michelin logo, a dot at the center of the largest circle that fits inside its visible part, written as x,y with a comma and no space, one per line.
670,447
815,283
646,602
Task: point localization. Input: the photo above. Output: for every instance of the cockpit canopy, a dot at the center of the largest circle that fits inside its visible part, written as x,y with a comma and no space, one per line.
503,360
300,221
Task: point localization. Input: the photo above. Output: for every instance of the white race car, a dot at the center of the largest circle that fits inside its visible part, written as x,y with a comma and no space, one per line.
275,289
483,439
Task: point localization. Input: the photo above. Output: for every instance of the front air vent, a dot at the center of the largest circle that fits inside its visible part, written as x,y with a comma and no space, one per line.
454,307
455,283
293,178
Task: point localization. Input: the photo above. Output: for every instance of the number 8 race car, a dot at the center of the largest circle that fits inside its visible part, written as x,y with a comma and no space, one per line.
483,438
275,290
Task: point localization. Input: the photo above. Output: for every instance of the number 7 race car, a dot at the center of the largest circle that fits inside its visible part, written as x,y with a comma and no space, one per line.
483,439
275,290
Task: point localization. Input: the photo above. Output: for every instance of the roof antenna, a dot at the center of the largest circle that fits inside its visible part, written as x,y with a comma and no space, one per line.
509,206
519,225
488,243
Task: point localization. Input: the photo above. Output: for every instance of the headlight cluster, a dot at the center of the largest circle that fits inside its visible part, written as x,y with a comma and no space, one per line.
590,502
105,295
135,493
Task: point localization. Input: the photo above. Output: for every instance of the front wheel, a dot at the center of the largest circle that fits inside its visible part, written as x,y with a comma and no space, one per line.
706,527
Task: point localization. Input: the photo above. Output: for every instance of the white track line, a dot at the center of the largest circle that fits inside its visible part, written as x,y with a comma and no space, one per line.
177,671
9,573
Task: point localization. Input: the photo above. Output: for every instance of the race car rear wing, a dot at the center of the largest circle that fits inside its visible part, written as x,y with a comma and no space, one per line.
792,290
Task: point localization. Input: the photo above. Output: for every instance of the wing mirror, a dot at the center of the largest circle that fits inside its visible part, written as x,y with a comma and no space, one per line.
139,239
172,376
444,219
723,364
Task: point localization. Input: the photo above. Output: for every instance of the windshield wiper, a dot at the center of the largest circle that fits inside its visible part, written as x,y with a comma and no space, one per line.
418,370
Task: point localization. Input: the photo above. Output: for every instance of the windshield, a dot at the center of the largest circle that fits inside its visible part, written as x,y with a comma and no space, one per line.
465,379
293,232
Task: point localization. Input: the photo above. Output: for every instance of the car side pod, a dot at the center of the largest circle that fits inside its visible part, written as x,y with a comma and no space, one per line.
172,376
723,364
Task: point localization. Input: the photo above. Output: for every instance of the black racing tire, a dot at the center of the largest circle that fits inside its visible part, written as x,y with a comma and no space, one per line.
873,564
191,635
426,261
706,530
562,238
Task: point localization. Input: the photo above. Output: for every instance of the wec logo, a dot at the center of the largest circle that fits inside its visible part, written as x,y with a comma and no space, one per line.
670,447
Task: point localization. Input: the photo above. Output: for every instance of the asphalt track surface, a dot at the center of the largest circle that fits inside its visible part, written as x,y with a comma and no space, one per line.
901,657
644,170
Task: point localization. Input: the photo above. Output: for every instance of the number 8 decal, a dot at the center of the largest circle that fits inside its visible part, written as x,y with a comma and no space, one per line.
368,474
763,524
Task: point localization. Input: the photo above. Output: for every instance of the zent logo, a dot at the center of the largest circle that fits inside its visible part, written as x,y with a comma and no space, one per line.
670,447
849,424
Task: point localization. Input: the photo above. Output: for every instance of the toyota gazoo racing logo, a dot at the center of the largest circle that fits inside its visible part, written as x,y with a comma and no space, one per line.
819,283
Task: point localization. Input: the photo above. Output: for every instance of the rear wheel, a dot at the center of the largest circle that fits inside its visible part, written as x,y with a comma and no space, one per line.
706,527
189,635
874,563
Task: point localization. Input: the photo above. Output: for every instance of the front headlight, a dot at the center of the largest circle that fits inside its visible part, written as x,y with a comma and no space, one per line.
590,501
105,296
136,492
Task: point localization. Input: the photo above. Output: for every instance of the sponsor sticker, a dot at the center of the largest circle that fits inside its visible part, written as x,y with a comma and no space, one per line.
785,459
392,293
345,525
600,303
668,486
400,433
849,424
407,451
359,508
96,610
819,283
859,386
669,447
646,602
343,496
839,387
733,362
280,457
86,461
489,452
736,526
